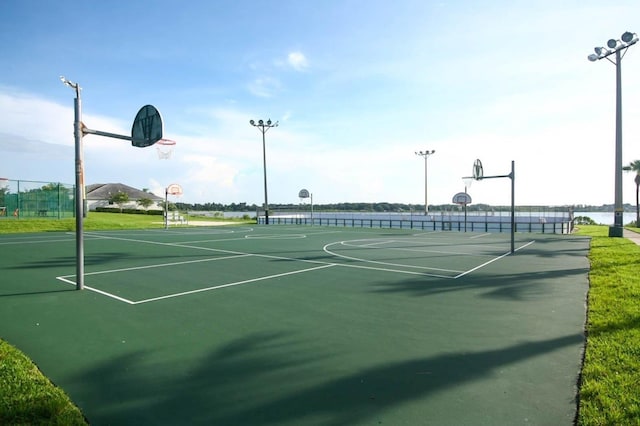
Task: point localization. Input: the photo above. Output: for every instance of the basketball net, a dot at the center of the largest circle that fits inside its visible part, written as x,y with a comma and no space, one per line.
165,147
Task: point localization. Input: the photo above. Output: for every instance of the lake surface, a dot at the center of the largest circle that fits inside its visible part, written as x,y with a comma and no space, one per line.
603,218
606,218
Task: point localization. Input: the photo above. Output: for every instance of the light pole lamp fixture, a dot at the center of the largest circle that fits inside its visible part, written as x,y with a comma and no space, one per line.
264,127
426,155
619,49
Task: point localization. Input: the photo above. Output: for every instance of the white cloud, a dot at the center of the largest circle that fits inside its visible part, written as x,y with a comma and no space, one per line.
297,61
43,120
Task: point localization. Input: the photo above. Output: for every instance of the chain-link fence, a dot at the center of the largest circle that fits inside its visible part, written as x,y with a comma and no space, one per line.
32,199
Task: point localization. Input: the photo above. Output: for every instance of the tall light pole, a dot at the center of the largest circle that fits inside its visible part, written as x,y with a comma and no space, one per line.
617,48
426,155
264,127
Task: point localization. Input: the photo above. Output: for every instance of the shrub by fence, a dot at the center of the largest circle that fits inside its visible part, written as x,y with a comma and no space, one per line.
130,211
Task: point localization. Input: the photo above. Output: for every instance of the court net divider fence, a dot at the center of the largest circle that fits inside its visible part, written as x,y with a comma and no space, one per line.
535,220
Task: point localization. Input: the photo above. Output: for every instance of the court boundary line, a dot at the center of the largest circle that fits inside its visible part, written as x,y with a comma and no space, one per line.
186,293
382,241
493,260
160,265
32,240
378,246
377,262
251,280
235,254
104,293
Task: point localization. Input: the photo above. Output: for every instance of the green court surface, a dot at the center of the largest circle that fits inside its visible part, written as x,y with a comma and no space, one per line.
284,325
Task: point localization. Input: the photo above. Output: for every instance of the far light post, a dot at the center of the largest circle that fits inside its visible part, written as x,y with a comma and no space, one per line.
619,48
264,127
426,155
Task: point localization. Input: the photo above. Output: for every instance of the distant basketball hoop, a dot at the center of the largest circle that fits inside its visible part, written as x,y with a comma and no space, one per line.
165,147
174,189
303,194
462,198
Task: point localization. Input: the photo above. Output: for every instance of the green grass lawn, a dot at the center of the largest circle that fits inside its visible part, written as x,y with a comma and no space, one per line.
610,380
96,221
610,384
29,398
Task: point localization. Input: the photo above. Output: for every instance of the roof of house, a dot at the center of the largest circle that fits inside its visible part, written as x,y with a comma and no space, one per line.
104,191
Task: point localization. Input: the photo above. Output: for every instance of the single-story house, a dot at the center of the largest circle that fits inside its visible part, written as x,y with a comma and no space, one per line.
99,194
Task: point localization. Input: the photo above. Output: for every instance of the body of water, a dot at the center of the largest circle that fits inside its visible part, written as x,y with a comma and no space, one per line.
603,218
606,218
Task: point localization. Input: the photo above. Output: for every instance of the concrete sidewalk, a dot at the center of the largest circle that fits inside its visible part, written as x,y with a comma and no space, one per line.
633,236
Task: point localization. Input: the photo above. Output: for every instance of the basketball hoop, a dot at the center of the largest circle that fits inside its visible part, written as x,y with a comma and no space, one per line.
462,198
165,148
303,194
174,189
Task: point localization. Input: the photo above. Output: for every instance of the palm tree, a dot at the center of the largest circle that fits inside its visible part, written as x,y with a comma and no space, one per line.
634,166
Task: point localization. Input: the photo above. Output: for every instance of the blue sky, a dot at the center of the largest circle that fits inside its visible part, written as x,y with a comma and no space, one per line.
356,86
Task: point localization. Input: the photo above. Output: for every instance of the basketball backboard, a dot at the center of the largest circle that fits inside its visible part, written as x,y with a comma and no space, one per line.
303,193
174,189
462,198
478,172
147,127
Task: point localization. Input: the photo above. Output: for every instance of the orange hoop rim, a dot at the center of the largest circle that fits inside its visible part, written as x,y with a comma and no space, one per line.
166,142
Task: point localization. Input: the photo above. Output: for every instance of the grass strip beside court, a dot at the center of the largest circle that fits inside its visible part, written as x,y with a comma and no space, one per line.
96,221
27,397
610,389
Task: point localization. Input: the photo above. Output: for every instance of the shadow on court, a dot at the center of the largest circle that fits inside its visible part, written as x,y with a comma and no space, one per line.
35,292
225,383
104,259
511,286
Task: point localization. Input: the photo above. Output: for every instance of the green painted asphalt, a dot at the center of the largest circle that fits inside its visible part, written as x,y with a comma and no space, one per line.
278,325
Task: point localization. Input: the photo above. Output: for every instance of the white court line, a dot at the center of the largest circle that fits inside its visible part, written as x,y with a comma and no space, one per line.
397,271
371,244
240,254
183,245
37,239
161,265
479,236
104,293
492,260
326,249
460,253
122,299
275,236
6,243
169,296
410,248
245,238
